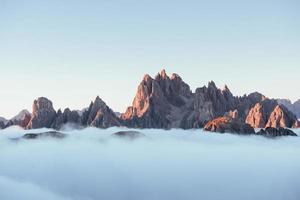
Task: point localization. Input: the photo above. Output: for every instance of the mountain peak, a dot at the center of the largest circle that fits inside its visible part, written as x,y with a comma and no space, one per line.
212,84
175,76
147,78
225,88
163,73
98,100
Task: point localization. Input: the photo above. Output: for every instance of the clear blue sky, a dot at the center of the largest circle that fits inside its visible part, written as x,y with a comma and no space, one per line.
71,51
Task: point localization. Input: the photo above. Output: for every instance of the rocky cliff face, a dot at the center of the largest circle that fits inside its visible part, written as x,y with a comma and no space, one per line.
43,114
282,117
66,117
99,115
269,113
293,107
259,115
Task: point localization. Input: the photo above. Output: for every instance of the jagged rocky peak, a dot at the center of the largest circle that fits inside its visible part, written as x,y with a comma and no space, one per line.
66,117
155,101
211,84
258,115
175,76
21,119
97,104
163,74
147,78
225,88
282,117
99,115
43,114
268,113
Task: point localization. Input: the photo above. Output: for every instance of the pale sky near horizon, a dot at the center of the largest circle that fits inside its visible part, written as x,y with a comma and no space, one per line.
72,51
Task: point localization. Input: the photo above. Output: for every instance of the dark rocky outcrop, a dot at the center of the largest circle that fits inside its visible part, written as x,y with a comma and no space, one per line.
43,114
48,134
128,134
207,103
275,132
67,117
3,123
228,124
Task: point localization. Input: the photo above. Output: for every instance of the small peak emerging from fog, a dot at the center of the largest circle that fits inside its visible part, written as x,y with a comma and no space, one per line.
163,73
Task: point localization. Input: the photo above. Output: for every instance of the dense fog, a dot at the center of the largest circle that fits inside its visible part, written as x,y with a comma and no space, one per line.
90,164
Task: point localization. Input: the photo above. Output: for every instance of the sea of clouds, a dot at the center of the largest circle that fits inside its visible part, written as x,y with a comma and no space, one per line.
90,164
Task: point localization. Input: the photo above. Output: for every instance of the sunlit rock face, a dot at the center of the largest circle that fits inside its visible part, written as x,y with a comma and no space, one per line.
269,113
282,117
228,124
258,116
43,114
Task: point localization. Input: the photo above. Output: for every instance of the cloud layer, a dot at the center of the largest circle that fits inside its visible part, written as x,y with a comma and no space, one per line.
176,164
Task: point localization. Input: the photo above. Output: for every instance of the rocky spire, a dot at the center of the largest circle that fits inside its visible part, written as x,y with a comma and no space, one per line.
282,117
100,115
268,113
43,114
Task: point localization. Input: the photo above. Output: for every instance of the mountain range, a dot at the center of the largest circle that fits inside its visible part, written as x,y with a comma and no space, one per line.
166,102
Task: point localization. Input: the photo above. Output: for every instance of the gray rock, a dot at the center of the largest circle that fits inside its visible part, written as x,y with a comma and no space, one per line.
22,119
293,107
67,117
100,115
3,123
128,134
165,102
268,113
275,132
282,117
49,134
43,114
